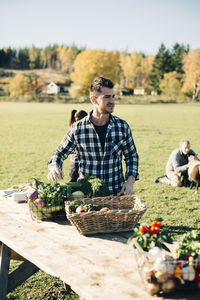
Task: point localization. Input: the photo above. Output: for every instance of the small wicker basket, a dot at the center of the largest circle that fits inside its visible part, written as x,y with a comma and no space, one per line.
50,213
124,214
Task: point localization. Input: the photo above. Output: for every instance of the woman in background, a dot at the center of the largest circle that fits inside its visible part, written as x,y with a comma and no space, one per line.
73,164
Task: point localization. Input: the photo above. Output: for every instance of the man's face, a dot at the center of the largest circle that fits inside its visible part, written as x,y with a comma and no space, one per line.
105,101
185,148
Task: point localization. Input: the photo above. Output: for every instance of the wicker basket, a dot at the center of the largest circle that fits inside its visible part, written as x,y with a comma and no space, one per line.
51,213
124,213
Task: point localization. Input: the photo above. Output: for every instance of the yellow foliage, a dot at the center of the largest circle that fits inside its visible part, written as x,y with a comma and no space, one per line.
91,63
170,85
191,67
146,68
66,57
136,69
18,85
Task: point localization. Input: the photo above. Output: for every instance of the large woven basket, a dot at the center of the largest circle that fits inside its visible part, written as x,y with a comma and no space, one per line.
124,214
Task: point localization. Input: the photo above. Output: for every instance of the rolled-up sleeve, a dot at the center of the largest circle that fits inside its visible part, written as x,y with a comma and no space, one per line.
66,146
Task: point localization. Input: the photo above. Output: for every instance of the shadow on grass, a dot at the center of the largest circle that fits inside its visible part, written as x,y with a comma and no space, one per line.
177,230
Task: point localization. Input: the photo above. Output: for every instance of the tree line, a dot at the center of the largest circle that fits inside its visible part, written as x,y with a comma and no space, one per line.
173,72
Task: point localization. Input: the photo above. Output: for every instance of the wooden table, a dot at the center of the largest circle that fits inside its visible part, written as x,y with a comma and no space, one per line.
97,267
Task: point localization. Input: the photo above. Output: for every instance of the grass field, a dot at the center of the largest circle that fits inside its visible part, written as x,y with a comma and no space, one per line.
31,131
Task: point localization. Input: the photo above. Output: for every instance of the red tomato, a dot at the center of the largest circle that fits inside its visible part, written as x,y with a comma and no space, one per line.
159,223
143,229
155,229
156,223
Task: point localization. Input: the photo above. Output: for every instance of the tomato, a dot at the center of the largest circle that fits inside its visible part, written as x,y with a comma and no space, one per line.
156,223
159,223
143,229
154,229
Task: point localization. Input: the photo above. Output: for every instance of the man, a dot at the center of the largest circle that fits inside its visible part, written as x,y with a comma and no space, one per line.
177,165
101,139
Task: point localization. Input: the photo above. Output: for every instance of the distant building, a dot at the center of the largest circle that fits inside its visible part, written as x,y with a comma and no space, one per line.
56,88
126,92
139,91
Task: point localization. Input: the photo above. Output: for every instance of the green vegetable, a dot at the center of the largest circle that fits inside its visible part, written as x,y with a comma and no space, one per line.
99,187
88,206
148,240
86,186
189,243
77,195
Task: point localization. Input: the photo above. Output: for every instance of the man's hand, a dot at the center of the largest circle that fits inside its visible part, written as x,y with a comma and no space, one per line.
55,173
127,188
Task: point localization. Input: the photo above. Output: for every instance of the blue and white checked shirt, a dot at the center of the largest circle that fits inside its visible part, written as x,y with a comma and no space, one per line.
92,161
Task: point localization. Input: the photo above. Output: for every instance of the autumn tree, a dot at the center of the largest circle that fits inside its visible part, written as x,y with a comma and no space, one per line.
34,57
18,85
170,85
191,67
145,71
131,67
48,57
66,57
91,63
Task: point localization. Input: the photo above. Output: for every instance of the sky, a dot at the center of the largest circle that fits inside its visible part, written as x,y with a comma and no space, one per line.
123,25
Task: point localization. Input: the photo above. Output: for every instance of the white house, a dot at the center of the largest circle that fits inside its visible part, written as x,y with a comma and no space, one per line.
56,88
139,91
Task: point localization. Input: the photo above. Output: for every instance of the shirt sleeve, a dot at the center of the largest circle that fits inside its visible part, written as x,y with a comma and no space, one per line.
177,164
66,146
130,155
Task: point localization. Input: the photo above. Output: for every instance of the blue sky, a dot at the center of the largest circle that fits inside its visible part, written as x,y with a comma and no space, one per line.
129,25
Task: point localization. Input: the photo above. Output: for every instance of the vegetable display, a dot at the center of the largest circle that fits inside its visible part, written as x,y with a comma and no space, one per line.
44,199
189,245
161,272
93,186
150,236
81,207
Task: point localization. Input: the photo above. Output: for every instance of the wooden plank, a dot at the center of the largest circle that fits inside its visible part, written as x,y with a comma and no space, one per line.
5,264
18,276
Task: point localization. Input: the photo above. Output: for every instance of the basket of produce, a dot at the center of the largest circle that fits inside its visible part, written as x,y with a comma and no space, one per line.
161,271
105,214
46,200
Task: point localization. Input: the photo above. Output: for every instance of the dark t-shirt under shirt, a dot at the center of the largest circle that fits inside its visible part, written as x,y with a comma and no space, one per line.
101,131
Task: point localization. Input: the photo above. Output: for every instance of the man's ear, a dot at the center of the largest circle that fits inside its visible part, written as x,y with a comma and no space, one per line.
93,99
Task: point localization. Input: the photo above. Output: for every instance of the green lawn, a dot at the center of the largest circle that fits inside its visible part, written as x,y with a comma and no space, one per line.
31,131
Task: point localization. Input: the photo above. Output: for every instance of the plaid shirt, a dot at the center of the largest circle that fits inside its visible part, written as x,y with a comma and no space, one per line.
92,161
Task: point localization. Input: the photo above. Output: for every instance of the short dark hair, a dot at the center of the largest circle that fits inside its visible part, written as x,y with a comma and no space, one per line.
100,82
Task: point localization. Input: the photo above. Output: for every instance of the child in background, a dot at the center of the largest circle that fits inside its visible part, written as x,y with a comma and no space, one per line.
73,164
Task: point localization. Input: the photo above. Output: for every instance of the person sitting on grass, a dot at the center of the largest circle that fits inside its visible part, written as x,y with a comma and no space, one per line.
177,166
